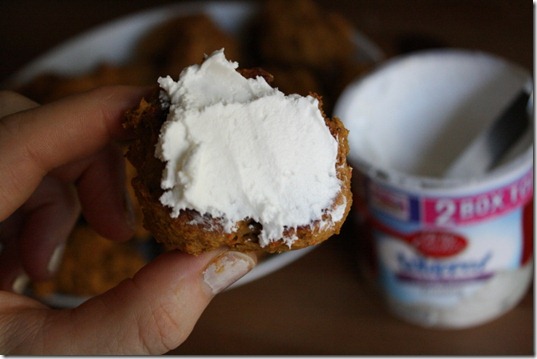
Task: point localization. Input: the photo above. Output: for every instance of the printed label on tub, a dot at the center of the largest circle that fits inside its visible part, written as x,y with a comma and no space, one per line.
439,250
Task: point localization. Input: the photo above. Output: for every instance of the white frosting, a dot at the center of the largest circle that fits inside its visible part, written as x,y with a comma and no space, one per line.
236,148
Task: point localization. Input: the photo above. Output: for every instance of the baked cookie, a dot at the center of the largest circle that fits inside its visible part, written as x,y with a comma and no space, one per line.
224,159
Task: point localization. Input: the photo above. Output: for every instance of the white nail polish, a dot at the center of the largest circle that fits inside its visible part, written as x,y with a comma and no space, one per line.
56,259
20,283
226,269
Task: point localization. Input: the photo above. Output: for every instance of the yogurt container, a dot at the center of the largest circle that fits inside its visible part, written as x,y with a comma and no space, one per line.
446,253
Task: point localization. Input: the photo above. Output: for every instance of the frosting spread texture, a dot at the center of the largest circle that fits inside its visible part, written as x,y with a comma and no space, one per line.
236,148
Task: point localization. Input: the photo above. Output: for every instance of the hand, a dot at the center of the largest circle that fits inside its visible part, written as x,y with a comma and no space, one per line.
60,159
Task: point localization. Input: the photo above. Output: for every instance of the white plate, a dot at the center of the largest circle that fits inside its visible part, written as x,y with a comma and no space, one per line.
115,42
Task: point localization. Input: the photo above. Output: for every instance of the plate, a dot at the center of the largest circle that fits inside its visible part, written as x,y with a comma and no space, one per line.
115,42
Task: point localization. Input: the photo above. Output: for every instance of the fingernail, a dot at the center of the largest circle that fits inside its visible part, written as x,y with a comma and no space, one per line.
129,211
56,259
20,283
226,269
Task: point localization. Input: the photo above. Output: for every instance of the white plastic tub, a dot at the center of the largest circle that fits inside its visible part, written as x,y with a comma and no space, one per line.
447,253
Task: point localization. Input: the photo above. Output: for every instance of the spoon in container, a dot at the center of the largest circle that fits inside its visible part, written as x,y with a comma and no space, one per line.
487,150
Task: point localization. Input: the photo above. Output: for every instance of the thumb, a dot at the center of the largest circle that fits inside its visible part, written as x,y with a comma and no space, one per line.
151,313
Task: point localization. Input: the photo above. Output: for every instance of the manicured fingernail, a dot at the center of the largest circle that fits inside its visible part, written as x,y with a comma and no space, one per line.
56,259
226,269
20,283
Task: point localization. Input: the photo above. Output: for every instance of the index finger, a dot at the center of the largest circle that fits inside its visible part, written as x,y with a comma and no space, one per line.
35,141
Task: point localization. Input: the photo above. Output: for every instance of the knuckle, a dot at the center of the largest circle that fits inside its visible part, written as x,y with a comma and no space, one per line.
163,332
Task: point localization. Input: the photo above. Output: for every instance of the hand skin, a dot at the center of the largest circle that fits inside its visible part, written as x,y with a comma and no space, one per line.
61,159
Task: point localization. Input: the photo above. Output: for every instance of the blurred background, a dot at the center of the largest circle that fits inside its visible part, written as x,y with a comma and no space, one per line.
320,304
504,27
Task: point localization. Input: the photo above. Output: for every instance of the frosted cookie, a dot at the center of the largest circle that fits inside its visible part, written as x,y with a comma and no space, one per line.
224,159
